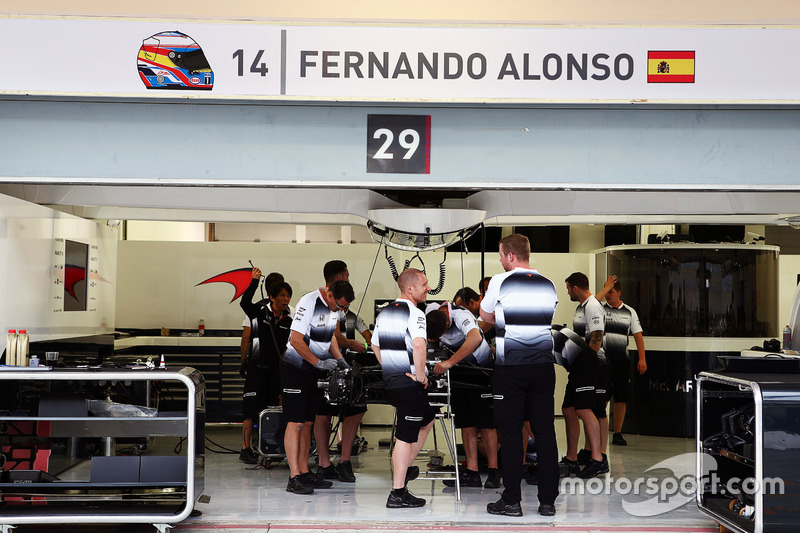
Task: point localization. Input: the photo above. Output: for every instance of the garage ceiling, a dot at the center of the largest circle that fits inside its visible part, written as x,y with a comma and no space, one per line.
350,206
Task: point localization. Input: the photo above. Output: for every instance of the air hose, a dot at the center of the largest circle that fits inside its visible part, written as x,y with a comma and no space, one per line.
442,268
392,266
406,264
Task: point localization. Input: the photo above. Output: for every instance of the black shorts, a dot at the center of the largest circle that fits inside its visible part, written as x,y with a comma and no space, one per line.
413,411
327,409
472,409
262,389
301,396
602,389
620,377
582,382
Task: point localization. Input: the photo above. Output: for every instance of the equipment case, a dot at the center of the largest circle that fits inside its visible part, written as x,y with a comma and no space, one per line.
271,427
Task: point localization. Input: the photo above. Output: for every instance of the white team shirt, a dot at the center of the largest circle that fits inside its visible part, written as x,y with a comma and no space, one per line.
620,322
316,322
461,323
589,317
523,302
396,327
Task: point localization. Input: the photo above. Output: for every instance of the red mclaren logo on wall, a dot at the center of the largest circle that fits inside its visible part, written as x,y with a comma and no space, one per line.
239,278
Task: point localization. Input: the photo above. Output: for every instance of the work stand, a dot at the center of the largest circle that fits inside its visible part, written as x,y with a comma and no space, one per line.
439,398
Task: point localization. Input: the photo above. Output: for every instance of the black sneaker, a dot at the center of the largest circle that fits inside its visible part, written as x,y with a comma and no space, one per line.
295,485
503,508
469,478
411,474
567,467
314,481
547,509
584,456
248,456
344,470
619,440
327,472
605,461
494,479
403,498
593,469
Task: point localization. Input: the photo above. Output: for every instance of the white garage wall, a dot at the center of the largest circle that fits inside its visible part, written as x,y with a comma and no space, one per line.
32,272
158,280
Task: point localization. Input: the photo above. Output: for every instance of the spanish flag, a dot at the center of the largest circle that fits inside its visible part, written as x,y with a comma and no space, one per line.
670,66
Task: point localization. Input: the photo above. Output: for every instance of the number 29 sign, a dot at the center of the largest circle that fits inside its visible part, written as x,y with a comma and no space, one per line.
399,144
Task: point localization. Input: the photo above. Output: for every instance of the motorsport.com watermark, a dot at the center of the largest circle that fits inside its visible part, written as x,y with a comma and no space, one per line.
668,492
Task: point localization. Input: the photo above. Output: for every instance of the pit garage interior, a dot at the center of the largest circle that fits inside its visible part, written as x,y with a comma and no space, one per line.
172,190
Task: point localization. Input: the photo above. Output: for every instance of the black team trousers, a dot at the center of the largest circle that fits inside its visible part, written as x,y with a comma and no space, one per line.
526,392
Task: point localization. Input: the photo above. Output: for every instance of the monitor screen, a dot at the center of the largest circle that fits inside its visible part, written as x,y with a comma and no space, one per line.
76,274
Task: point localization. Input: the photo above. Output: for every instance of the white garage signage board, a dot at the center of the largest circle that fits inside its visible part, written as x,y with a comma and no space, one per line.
137,58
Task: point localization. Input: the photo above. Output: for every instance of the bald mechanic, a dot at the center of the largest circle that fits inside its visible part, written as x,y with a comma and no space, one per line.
312,348
400,344
522,302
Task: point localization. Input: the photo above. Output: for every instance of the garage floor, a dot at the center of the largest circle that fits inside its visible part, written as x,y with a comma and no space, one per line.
244,498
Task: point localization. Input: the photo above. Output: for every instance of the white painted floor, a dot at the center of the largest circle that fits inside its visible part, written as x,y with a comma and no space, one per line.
244,498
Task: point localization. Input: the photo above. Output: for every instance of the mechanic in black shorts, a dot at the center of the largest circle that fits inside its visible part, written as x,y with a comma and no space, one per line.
621,321
311,348
269,331
456,328
351,416
589,323
399,342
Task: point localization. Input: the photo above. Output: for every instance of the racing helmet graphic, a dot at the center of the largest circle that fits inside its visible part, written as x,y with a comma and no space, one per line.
173,60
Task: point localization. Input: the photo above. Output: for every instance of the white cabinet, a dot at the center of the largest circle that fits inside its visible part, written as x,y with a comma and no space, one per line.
63,464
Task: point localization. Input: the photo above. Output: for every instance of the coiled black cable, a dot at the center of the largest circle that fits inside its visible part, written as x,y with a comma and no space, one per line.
406,264
392,266
440,285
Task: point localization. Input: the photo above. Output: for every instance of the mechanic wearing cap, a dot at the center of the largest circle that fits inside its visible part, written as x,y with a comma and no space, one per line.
399,342
311,347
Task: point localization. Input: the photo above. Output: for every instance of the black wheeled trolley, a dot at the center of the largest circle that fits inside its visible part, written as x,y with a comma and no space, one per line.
748,450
